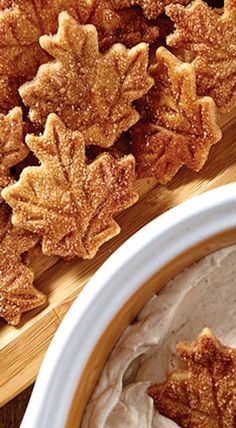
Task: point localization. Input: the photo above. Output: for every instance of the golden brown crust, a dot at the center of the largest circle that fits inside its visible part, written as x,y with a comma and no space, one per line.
90,91
21,24
12,148
17,293
117,25
71,204
20,51
178,127
151,8
134,28
93,85
211,35
203,395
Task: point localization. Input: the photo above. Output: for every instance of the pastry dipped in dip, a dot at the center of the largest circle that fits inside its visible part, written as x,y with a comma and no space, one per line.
202,295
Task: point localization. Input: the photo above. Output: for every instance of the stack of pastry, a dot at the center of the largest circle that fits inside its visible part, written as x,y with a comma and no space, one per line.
149,75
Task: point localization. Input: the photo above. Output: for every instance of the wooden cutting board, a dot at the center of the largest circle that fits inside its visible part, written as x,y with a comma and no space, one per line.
22,348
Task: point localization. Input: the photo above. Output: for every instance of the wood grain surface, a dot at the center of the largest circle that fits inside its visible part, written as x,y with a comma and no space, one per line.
22,348
12,413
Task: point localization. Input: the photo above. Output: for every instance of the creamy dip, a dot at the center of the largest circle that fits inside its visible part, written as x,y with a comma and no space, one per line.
202,296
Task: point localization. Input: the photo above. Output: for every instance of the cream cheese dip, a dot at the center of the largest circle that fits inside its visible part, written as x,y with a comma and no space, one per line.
203,295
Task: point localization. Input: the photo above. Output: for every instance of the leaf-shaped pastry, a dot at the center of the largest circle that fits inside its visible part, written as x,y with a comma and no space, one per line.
69,203
91,92
203,395
17,293
133,28
211,35
12,148
21,24
152,8
178,127
117,25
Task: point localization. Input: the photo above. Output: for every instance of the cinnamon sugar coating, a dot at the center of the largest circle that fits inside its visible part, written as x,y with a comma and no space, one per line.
22,22
210,34
68,202
17,293
203,395
90,91
12,148
151,8
117,24
178,126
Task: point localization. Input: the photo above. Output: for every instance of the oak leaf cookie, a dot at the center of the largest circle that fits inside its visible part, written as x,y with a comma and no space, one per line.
17,293
91,92
178,127
211,35
204,394
68,202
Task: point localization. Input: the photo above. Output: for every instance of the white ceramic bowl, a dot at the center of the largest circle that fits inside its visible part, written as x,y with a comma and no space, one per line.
176,238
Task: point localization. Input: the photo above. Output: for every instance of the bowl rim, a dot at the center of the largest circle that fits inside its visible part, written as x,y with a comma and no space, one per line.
197,219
